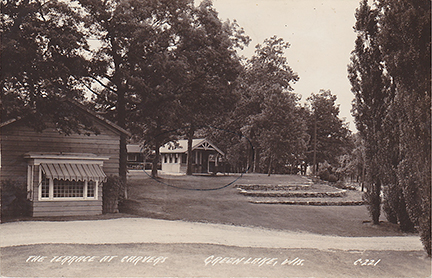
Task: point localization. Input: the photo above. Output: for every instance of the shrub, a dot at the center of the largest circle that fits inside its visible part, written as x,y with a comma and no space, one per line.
113,192
14,202
343,185
332,178
324,174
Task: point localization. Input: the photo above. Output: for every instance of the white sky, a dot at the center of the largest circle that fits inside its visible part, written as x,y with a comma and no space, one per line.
320,33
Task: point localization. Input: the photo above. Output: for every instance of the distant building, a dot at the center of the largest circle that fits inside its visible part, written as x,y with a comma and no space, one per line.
206,157
137,158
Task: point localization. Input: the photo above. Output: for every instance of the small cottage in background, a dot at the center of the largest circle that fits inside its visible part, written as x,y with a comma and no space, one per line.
135,157
138,158
64,174
206,157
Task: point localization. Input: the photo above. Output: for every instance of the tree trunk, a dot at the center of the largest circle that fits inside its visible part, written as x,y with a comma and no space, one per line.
376,203
255,162
269,166
121,116
189,151
155,161
121,112
315,148
363,175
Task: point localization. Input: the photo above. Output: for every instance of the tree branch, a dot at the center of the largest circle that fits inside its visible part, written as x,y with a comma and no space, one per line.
91,90
103,85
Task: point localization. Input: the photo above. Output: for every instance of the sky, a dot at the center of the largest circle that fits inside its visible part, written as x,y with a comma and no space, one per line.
320,33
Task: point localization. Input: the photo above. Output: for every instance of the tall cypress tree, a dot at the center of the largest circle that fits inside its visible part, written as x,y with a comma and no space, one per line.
405,38
390,75
368,85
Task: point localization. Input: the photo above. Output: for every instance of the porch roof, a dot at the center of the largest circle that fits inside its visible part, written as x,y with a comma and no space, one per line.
181,146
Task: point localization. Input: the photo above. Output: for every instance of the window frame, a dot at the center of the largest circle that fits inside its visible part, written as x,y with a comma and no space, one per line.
34,174
51,191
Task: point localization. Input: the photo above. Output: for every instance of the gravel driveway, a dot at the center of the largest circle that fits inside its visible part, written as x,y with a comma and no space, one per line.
145,230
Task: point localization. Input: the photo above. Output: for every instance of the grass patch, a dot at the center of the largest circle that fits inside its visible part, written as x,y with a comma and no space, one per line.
175,199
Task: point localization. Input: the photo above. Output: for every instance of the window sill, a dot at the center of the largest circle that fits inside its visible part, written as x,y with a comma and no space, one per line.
67,199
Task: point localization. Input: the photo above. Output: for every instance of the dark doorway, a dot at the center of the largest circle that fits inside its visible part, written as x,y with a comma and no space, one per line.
204,168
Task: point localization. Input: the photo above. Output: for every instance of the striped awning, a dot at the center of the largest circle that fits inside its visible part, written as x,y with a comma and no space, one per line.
78,172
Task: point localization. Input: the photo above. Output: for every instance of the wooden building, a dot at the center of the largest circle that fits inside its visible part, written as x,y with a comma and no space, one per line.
138,158
206,157
135,156
64,174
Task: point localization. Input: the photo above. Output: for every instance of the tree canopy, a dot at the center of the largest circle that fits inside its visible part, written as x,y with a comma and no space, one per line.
328,133
42,59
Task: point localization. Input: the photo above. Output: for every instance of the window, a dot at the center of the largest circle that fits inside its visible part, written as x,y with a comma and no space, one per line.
68,176
58,188
68,189
91,186
44,187
176,158
69,181
132,157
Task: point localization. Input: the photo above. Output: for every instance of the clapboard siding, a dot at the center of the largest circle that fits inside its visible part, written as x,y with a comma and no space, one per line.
66,204
67,213
18,139
67,208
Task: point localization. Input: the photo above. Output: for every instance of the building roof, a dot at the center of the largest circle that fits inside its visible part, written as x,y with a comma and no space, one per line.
181,146
132,148
84,109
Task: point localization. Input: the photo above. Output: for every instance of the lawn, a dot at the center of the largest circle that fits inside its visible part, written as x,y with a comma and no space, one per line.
197,199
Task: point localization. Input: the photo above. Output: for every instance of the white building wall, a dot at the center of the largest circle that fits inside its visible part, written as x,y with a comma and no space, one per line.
171,163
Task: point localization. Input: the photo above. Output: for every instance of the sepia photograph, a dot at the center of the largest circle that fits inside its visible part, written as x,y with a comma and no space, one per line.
215,138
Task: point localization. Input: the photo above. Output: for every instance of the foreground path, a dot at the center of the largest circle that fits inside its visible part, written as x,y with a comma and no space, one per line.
144,230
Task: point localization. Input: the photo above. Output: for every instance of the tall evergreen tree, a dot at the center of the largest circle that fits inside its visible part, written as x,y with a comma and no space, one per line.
391,71
368,85
406,42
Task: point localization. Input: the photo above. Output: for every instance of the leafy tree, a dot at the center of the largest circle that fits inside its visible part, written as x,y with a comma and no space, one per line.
282,132
352,164
133,59
161,53
329,135
207,47
267,112
42,57
159,75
